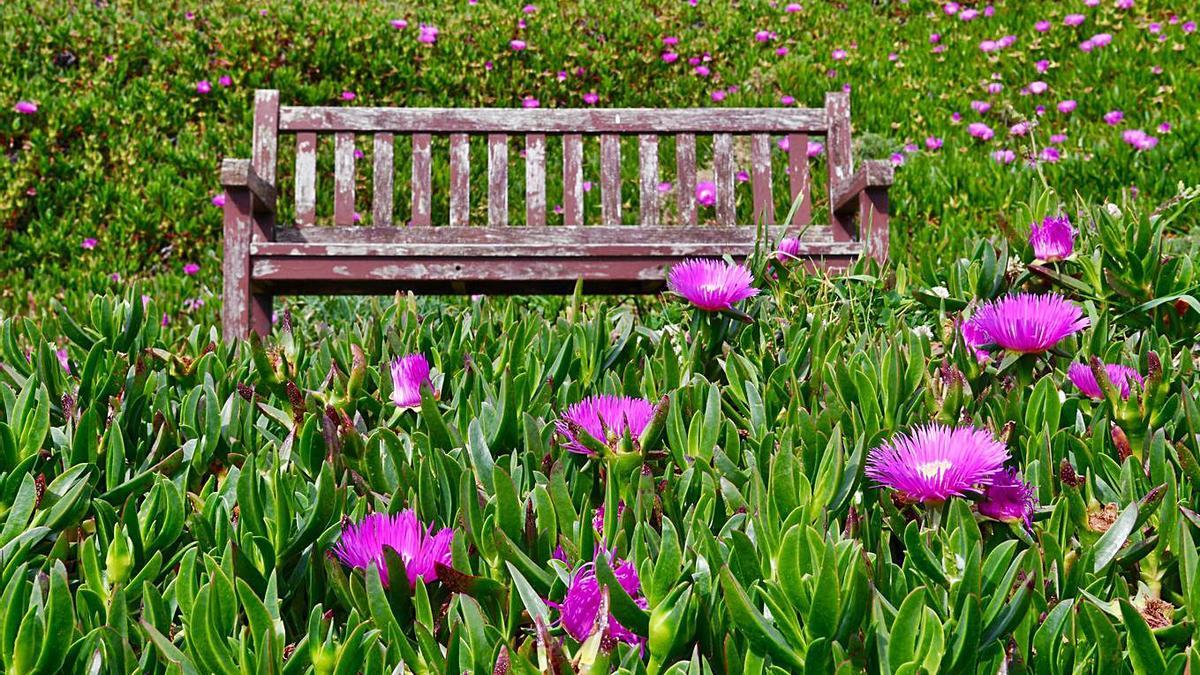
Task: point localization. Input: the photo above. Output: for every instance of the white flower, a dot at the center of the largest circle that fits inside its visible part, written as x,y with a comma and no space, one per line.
1113,210
941,291
924,331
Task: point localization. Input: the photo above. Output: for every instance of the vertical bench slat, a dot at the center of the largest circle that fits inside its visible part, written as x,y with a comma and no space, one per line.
610,179
685,177
460,179
648,168
573,179
381,214
497,179
535,179
837,149
760,169
266,134
343,178
306,178
723,170
799,178
422,193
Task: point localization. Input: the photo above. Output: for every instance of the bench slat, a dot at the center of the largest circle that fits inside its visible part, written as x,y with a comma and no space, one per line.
648,169
460,179
266,134
306,178
723,177
381,213
535,179
343,179
799,178
422,192
760,169
497,179
573,179
554,121
610,179
837,155
685,170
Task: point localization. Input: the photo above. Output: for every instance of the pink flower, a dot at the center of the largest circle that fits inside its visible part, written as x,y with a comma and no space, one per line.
362,544
1124,4
1038,87
1102,39
789,249
988,46
218,199
530,102
1004,156
793,7
981,131
781,51
702,71
1120,376
529,9
742,176
1008,499
706,193
203,87
670,57
838,54
1025,323
950,8
1164,128
606,419
718,95
1050,155
89,243
191,269
428,34
1067,106
670,40
1139,139
981,106
409,373
25,107
1019,129
580,608
787,100
225,81
1086,46
1073,19
994,88
711,285
969,14
1053,240
933,143
1058,139
1042,26
349,96
814,149
1113,117
591,98
932,463
934,38
399,24
763,36
517,45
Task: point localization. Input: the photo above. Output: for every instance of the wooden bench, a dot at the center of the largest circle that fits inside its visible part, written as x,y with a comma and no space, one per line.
264,257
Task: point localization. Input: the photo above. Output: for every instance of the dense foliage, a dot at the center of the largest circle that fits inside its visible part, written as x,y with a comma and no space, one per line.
124,148
173,504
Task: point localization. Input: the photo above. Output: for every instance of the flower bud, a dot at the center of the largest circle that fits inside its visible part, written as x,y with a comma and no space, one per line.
672,623
119,559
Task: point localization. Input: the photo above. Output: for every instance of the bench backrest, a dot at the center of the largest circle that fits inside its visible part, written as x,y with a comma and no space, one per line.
276,127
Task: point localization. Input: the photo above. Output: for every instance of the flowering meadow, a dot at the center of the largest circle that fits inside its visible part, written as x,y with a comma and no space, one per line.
983,457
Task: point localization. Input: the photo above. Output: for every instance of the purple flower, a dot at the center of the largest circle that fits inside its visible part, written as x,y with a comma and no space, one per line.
789,249
1084,379
702,71
1058,139
763,36
994,88
934,462
1042,26
969,14
1113,117
933,143
981,131
787,100
191,269
1067,107
517,45
1053,240
1140,140
25,107
409,373
1004,156
793,7
1038,87
1050,155
670,40
897,158
1101,39
1008,499
581,605
203,87
950,8
362,543
718,95
976,340
814,149
605,418
218,199
530,102
399,24
591,98
838,54
706,193
1124,4
981,106
1028,324
349,95
1164,128
669,57
64,360
428,34
1019,129
225,81
711,285
89,243
1073,19
1041,66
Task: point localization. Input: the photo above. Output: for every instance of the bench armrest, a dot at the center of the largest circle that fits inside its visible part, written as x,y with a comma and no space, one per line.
238,174
873,173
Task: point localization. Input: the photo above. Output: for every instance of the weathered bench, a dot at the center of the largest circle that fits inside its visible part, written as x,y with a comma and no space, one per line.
264,258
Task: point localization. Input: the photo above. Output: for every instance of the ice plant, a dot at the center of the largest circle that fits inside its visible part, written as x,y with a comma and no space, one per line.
362,543
408,374
706,193
1053,240
1084,379
605,418
789,249
934,462
581,605
25,107
1026,323
711,285
191,269
1008,499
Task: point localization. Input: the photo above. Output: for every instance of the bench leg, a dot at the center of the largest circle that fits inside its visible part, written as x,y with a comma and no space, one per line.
873,222
235,310
260,313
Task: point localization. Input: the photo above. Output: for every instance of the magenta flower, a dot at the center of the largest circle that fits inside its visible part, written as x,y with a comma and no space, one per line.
933,143
1050,155
191,269
1073,19
976,340
670,40
225,81
968,14
1113,117
1028,324
1101,39
1138,139
706,193
711,285
702,71
408,374
1053,240
605,418
581,605
349,95
25,107
1019,129
1004,156
763,36
530,102
793,7
1042,26
203,87
718,95
981,106
89,243
1084,379
1038,87
981,131
838,54
362,543
814,149
517,45
935,462
399,24
218,199
591,98
789,249
428,34
1067,107
950,8
1008,499
669,57
64,359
